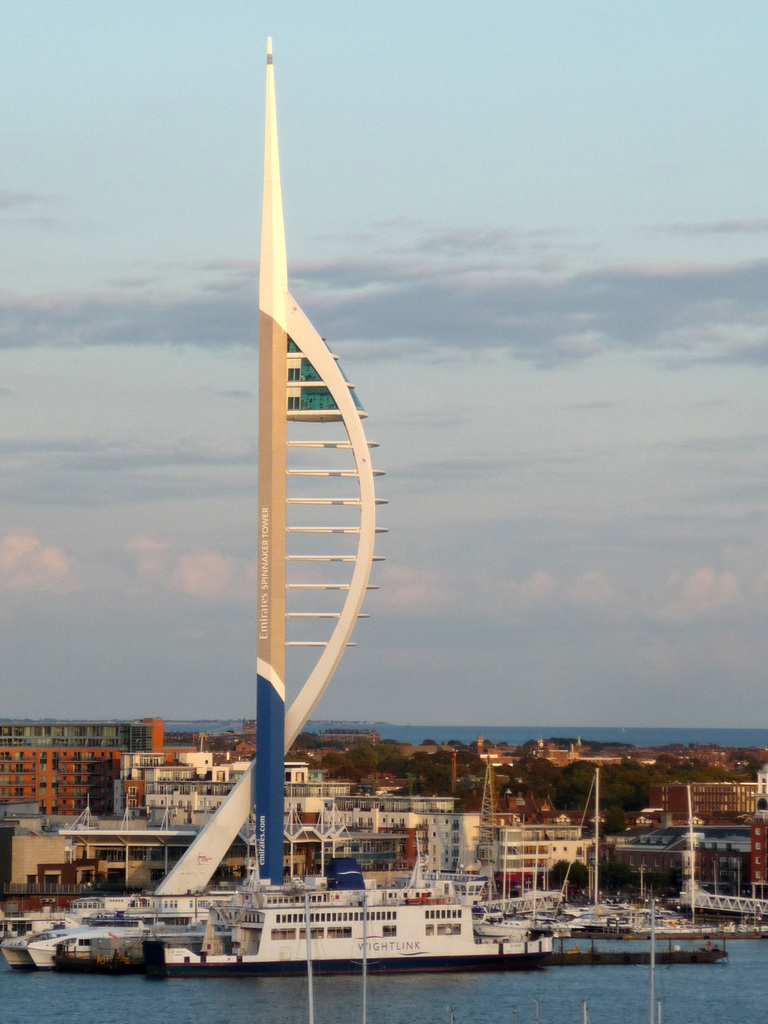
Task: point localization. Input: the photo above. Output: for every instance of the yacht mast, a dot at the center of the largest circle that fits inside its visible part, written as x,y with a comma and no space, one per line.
653,960
692,856
596,871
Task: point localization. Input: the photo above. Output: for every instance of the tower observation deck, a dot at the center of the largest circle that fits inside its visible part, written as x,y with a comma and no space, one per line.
313,491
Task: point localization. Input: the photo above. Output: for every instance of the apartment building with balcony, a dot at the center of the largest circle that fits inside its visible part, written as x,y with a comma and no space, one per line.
64,767
59,780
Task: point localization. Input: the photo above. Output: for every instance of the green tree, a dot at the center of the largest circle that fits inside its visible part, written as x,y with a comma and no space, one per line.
364,757
338,766
615,820
577,873
615,874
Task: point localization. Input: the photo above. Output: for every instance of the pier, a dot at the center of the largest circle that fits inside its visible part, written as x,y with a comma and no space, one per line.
612,957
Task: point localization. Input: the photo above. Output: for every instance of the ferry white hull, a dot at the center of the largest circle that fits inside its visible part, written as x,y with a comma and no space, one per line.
163,962
265,935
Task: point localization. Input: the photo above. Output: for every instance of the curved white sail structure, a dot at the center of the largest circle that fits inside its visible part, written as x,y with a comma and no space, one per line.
312,346
300,383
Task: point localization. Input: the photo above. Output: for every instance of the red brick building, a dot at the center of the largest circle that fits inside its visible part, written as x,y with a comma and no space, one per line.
67,766
708,798
61,781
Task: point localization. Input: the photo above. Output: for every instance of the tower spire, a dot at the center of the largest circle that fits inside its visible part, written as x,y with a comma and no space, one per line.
273,269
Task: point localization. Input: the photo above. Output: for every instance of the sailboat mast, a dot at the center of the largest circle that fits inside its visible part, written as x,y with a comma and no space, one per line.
653,961
692,854
308,933
365,956
597,838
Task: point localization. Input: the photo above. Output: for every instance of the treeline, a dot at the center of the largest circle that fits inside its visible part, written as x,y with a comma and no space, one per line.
623,787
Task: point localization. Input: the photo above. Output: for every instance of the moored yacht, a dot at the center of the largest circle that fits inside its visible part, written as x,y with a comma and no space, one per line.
16,949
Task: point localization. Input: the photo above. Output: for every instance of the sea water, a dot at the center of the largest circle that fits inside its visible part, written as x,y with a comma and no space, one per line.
690,994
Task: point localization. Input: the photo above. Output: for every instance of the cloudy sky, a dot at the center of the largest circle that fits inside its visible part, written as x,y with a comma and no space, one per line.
536,234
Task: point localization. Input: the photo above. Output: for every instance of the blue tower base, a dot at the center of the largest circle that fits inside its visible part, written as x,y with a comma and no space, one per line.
270,781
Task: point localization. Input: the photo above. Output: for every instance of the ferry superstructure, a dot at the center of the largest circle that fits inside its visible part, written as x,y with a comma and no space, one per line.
414,930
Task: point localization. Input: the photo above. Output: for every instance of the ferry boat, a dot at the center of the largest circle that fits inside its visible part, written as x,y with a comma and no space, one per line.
423,927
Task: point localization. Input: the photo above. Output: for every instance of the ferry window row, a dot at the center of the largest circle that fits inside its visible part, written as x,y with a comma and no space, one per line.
316,933
337,915
443,913
389,931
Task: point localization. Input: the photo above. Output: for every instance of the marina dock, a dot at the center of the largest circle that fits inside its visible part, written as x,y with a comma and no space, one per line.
666,956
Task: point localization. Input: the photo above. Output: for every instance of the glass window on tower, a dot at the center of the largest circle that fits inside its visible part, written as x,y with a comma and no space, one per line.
317,398
308,372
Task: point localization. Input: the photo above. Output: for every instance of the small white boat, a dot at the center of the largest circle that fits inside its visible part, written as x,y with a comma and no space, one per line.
42,951
16,950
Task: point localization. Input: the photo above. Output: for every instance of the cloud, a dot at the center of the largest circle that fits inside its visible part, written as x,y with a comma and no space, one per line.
205,574
589,589
238,394
701,593
195,574
592,588
10,200
460,241
537,587
428,305
682,314
114,318
25,564
718,227
74,472
407,589
151,555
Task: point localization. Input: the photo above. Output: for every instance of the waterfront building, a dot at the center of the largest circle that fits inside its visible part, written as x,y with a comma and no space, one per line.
759,834
37,861
527,853
146,734
452,839
64,767
139,857
182,786
189,795
707,798
722,853
348,737
60,780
